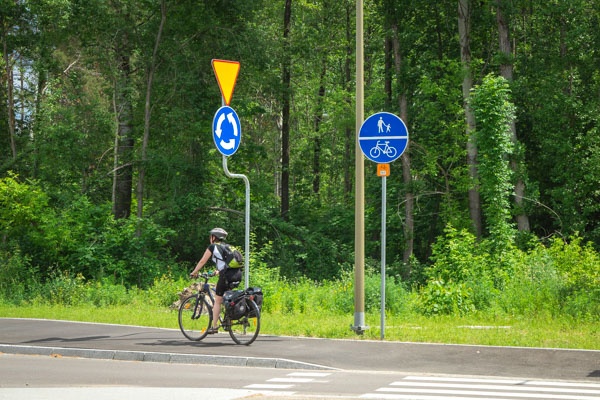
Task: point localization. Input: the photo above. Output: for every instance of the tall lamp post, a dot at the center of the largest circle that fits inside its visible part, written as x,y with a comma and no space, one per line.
359,202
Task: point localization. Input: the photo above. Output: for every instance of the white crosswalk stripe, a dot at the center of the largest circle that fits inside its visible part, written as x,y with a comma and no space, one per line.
438,388
282,386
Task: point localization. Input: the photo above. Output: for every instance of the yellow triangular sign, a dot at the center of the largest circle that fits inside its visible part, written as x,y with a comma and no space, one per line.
226,73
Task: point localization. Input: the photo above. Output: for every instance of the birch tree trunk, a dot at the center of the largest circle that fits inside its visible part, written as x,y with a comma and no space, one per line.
148,114
285,126
464,32
409,223
10,100
318,120
123,172
506,70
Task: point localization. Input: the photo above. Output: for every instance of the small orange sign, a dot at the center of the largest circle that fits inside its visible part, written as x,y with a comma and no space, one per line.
226,73
383,170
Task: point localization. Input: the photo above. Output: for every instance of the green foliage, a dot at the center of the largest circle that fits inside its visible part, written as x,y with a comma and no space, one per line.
105,293
494,113
440,297
56,225
456,256
82,239
163,291
577,263
17,276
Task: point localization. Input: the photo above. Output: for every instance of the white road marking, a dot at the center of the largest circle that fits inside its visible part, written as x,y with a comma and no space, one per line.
572,384
416,397
494,387
470,380
267,386
291,380
438,388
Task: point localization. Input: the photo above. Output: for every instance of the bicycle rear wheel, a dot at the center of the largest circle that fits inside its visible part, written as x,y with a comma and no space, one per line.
245,330
195,317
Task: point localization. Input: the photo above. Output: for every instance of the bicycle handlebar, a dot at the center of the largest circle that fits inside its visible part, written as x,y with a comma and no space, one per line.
205,275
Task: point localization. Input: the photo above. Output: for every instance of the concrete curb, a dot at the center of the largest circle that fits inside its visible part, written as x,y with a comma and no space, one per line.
174,358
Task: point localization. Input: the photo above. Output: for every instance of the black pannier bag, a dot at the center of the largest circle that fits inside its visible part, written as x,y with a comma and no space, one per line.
235,304
256,295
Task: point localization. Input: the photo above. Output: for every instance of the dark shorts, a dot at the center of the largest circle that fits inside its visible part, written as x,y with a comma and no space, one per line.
230,275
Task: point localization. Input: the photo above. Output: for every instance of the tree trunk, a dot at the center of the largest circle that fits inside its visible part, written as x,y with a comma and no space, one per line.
318,120
409,224
349,133
387,85
122,184
285,125
464,28
10,100
506,70
148,114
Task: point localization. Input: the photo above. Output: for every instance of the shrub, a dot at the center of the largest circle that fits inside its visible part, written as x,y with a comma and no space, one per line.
440,297
455,257
164,290
63,289
106,293
17,276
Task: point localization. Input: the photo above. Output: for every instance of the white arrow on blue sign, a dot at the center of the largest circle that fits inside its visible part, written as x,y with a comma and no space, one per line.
383,137
227,131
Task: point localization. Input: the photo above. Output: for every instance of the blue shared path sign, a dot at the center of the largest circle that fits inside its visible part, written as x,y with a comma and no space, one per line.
383,137
227,131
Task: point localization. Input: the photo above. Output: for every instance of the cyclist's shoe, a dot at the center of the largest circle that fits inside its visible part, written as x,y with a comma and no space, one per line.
212,331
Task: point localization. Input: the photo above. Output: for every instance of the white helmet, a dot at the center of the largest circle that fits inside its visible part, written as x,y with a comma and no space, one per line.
219,233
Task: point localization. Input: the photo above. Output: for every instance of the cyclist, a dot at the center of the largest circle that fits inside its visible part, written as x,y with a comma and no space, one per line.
215,251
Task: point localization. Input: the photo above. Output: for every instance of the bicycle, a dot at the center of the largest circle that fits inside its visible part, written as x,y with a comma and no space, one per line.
195,315
384,148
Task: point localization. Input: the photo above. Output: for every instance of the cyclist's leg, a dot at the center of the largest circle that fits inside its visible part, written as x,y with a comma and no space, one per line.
217,310
219,292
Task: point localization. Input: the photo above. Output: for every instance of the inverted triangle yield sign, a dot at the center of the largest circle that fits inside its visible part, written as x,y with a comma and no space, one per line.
226,73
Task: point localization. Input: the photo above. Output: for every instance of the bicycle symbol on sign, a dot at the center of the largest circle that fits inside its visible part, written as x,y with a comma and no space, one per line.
384,148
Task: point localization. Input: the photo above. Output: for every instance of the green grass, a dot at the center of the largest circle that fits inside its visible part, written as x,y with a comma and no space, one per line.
508,331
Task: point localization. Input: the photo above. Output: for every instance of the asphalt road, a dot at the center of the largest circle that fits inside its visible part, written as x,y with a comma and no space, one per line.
70,378
24,336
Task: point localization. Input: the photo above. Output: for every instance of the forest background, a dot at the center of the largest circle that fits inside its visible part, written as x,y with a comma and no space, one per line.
110,178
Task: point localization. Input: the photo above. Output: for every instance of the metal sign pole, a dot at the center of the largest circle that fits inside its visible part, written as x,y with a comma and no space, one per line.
247,216
383,138
247,241
383,244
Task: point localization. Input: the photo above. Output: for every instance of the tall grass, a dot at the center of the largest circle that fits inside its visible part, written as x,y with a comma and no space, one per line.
546,296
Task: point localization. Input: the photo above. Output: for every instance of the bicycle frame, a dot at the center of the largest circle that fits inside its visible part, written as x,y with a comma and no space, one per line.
205,290
243,328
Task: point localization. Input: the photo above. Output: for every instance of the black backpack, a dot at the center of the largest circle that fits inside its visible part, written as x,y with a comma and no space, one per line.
231,256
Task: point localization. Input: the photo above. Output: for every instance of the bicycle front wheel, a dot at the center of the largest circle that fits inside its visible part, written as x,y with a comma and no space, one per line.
195,317
245,330
375,152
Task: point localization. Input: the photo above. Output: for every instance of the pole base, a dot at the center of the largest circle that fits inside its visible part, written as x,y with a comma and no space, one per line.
359,323
359,330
